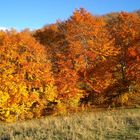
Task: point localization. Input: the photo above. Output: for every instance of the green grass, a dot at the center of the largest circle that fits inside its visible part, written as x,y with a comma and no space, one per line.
118,124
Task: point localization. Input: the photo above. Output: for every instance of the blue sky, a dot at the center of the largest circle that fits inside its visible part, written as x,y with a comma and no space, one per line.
35,14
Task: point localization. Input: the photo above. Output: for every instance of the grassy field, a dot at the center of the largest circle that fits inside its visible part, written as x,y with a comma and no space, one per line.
118,124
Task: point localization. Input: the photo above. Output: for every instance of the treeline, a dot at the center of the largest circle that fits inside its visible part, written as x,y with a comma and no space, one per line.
85,60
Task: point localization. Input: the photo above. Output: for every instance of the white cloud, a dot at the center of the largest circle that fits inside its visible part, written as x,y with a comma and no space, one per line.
3,28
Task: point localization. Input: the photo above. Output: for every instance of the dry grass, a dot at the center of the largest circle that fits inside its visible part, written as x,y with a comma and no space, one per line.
118,124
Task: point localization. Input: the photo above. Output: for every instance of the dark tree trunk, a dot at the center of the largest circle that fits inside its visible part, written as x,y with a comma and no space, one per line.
123,63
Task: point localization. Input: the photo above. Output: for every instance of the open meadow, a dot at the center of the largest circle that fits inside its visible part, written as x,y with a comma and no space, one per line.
114,124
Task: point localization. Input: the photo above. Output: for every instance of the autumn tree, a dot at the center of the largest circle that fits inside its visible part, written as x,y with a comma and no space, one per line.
65,75
125,30
27,85
91,49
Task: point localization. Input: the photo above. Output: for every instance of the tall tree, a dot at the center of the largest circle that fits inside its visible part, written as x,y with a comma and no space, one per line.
60,56
125,30
27,85
89,43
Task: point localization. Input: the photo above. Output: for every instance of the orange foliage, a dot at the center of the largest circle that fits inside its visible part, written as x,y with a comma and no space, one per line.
25,75
78,59
89,43
125,29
